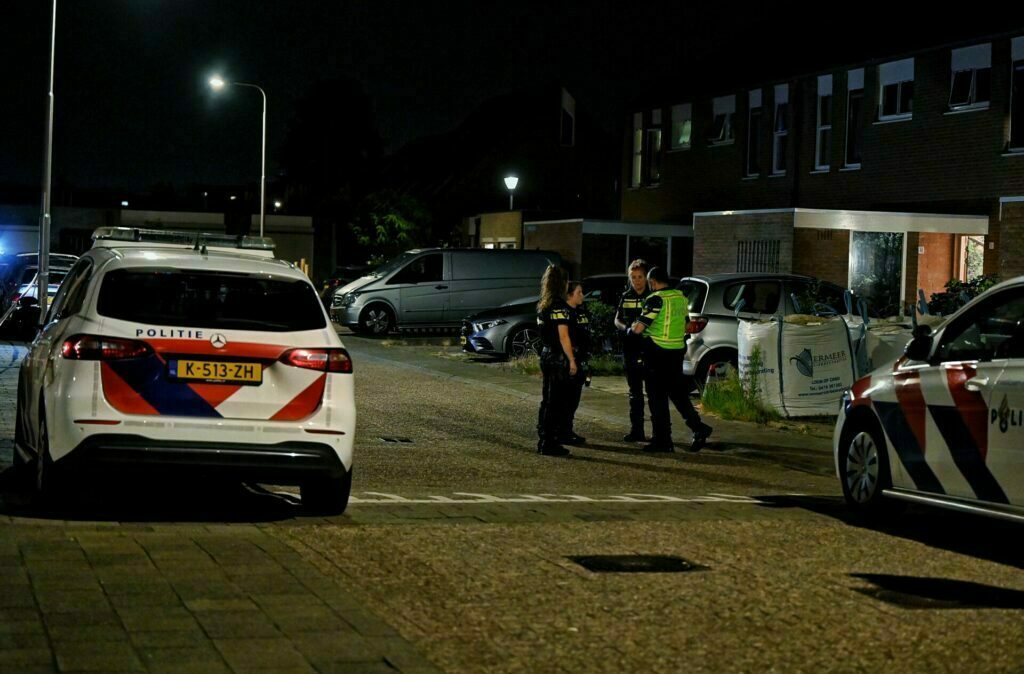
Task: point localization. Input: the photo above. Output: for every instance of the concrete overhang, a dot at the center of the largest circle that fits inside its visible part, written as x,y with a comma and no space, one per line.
872,221
652,229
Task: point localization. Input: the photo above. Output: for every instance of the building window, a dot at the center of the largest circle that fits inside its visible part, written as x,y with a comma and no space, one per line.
1017,96
754,116
682,123
854,117
758,256
780,134
823,143
970,77
638,149
567,126
652,148
723,108
896,90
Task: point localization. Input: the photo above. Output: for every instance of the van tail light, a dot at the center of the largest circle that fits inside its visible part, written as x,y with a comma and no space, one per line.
92,347
695,325
324,360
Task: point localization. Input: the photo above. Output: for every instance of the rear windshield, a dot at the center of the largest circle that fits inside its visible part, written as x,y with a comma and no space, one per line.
199,299
695,292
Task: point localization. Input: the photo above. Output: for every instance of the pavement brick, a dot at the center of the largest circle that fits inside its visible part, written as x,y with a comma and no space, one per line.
97,657
185,638
16,657
23,640
63,600
200,657
272,654
200,605
237,625
160,619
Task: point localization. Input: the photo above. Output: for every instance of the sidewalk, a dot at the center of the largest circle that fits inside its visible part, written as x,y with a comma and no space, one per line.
93,591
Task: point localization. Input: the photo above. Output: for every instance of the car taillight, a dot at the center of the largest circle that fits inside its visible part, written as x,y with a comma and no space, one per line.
325,360
92,347
695,325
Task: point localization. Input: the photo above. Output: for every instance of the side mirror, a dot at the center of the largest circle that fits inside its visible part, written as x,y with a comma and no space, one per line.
920,347
26,302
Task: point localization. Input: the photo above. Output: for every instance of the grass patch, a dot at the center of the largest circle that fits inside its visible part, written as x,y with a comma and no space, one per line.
736,399
605,365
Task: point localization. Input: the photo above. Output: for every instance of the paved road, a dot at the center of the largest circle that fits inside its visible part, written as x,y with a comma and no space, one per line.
458,554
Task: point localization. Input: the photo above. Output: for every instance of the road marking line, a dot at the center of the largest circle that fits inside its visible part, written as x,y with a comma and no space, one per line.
381,498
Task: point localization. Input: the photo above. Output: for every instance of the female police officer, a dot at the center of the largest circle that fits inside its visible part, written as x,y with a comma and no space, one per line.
579,335
557,361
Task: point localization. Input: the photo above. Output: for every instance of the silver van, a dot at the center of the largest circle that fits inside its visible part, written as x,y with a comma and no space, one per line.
438,287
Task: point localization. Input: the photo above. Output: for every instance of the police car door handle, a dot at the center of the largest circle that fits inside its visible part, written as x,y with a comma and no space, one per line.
440,287
976,384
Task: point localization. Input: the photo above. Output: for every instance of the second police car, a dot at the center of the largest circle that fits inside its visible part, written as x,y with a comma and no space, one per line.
196,351
944,425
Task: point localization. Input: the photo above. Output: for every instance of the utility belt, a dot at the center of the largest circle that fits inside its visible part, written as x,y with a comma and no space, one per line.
557,362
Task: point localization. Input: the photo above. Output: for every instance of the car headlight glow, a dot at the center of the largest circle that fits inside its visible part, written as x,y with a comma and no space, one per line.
487,325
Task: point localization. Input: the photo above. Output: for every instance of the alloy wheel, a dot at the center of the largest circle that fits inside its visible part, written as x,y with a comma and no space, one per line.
524,343
862,466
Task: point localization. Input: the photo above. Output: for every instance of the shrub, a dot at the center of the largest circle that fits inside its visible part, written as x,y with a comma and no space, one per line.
604,337
959,293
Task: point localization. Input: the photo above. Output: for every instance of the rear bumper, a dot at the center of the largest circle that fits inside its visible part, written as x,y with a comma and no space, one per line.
282,463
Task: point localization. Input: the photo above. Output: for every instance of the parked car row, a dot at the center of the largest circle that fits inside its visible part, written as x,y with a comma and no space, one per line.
19,291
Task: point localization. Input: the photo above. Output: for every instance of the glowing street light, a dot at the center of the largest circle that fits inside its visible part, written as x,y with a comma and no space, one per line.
510,183
217,83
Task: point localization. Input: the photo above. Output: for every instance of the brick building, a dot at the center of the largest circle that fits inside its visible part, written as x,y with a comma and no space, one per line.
888,176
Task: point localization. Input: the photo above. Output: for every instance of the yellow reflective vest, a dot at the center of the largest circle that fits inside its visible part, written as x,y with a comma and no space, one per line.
668,328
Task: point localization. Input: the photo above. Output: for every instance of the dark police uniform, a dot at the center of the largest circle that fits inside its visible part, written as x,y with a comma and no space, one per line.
554,365
579,334
665,315
630,307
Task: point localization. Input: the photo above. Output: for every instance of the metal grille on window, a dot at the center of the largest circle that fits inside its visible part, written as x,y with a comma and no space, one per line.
758,255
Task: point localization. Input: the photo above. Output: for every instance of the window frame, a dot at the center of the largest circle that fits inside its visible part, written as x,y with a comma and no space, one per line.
973,60
780,137
854,87
902,81
1016,126
684,119
722,126
754,134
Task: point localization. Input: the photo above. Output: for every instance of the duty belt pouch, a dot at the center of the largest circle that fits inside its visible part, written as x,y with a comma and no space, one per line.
555,363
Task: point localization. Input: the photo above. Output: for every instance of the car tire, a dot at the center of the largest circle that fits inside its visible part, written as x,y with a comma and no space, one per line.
523,342
713,366
327,496
377,320
864,468
48,484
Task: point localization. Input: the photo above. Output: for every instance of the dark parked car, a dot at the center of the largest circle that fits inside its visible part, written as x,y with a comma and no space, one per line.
18,275
510,330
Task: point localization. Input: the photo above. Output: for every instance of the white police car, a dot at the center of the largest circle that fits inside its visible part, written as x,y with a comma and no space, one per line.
183,350
944,425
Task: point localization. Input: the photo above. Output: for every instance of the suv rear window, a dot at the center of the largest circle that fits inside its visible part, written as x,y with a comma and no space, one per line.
759,297
199,299
695,292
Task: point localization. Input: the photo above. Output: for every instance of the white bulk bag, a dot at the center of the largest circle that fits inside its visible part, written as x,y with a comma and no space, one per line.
762,336
817,366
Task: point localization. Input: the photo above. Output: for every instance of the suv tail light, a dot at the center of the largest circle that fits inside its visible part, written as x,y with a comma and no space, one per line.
325,360
92,347
695,325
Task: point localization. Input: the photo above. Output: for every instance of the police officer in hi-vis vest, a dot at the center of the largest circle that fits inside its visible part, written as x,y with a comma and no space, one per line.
630,305
663,324
557,361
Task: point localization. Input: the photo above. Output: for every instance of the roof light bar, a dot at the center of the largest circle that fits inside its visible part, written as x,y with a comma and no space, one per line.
182,238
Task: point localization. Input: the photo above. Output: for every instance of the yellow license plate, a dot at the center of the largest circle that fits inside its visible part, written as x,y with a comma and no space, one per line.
462,340
216,372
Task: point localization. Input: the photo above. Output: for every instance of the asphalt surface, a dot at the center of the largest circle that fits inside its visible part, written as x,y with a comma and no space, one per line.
460,553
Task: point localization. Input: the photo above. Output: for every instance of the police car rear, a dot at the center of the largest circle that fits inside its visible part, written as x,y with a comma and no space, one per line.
203,352
944,425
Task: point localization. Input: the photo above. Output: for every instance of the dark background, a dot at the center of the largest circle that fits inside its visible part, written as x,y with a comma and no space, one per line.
133,109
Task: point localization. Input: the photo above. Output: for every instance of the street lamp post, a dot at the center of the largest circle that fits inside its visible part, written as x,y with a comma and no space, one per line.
217,84
43,262
510,183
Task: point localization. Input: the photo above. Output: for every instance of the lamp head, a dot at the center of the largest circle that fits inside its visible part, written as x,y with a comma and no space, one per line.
511,182
217,82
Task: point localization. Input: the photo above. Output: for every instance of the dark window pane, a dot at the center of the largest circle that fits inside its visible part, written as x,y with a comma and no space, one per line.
759,297
960,91
198,299
781,112
890,99
982,85
906,97
824,146
717,131
824,111
653,151
876,270
779,160
1017,110
695,292
567,137
603,254
654,249
425,269
853,127
754,143
682,256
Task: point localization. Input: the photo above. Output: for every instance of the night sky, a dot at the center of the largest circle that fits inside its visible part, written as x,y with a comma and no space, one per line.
133,107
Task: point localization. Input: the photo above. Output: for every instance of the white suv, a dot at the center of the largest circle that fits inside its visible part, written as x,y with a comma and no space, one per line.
183,350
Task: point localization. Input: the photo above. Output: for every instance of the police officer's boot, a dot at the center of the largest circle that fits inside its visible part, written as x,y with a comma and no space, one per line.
701,431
